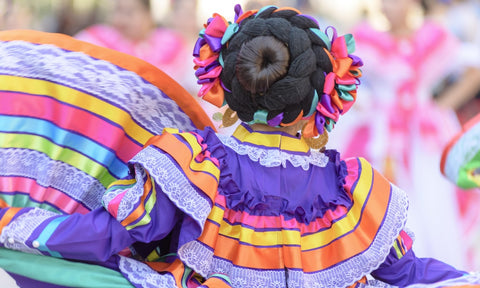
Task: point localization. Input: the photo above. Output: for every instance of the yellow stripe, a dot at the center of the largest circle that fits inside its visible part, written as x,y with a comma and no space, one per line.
271,140
397,250
122,182
148,208
204,166
290,237
59,153
216,214
78,99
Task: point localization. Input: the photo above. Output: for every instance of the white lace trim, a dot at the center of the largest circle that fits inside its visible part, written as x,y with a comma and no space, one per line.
51,173
174,183
132,196
148,105
140,274
462,152
202,260
16,233
275,157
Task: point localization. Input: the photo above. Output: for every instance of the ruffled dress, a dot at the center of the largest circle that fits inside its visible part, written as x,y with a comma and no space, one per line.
257,209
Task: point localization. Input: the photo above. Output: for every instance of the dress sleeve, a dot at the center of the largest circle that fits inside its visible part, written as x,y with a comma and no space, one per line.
402,267
171,180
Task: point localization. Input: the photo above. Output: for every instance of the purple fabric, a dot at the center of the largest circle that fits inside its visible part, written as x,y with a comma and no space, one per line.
411,270
291,192
97,235
196,50
238,12
275,121
327,102
25,282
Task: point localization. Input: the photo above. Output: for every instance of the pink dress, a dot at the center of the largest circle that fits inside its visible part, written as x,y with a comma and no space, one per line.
164,48
401,131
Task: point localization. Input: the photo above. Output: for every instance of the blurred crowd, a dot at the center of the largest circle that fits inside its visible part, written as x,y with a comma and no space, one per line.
421,82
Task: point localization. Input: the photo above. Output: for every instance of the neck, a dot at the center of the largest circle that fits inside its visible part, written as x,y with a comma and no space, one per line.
292,130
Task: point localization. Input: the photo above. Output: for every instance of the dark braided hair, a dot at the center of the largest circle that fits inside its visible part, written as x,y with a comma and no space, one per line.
274,63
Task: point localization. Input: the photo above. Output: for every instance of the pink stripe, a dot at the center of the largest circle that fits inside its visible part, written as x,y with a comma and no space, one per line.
274,222
353,173
41,194
113,205
71,118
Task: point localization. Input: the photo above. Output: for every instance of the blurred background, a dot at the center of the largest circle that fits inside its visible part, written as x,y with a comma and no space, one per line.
163,33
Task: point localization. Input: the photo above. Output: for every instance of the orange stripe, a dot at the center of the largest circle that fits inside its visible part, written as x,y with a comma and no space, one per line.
183,156
7,217
315,260
176,268
216,283
147,187
358,241
145,70
467,126
3,204
210,234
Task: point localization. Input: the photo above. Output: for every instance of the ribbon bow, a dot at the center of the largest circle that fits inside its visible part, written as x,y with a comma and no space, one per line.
340,88
208,61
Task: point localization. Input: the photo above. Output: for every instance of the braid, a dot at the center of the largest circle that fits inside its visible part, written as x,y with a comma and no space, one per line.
275,63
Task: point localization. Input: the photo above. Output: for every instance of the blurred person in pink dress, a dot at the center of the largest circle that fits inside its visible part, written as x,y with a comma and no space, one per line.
131,29
399,127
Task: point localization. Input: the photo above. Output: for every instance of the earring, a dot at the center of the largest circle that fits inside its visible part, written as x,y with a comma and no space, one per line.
317,142
229,118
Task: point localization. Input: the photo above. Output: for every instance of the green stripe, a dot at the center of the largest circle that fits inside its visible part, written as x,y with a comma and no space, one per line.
148,208
60,272
58,153
464,179
22,200
397,250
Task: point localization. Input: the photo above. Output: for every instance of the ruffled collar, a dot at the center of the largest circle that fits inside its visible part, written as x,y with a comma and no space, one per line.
272,149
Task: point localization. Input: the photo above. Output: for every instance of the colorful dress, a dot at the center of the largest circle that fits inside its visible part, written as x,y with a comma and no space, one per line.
257,209
398,128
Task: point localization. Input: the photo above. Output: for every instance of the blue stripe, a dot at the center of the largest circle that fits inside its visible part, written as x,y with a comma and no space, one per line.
66,139
47,233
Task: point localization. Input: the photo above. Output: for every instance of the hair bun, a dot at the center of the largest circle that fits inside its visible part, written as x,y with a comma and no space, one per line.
262,61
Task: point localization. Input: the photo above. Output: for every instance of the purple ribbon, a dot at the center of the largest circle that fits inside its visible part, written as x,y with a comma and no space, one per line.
319,122
275,121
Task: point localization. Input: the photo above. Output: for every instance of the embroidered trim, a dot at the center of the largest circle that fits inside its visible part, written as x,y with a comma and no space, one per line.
131,198
140,274
51,173
174,184
275,157
202,259
20,229
462,152
103,79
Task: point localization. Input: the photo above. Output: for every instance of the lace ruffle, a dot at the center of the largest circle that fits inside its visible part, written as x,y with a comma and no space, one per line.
51,173
202,259
15,234
97,77
275,157
140,275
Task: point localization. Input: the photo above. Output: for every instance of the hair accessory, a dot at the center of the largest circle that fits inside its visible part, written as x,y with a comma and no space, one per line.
340,89
208,60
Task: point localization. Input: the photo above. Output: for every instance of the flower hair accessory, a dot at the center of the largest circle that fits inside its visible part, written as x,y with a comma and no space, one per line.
339,91
208,62
340,88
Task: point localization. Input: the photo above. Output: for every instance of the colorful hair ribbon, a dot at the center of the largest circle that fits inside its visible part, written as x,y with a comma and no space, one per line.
208,60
